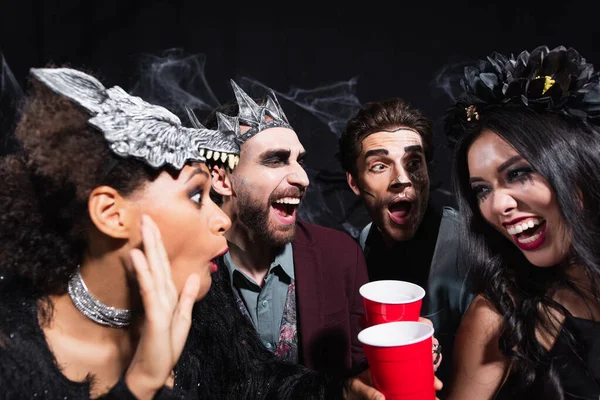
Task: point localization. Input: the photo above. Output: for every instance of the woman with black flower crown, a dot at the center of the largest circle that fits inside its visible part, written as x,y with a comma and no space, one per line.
526,132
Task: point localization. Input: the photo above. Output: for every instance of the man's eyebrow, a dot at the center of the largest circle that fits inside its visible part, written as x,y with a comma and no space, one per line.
376,152
416,148
276,153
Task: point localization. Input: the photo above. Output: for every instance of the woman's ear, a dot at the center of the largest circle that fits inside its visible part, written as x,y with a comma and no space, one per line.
221,181
110,212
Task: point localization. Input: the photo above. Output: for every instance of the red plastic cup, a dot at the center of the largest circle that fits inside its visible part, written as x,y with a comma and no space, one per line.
399,355
390,301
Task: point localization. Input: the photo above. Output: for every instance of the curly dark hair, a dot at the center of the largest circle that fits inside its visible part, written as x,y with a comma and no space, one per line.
44,190
382,115
564,151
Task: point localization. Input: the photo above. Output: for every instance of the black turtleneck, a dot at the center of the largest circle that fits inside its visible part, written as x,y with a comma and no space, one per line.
409,260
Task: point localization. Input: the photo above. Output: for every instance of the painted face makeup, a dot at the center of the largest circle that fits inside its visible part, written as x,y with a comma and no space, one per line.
270,183
393,181
516,200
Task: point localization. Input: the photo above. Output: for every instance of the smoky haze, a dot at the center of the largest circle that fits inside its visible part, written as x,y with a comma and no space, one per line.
318,115
11,95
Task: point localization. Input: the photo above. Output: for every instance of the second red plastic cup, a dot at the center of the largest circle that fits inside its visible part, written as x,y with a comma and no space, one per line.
399,355
390,301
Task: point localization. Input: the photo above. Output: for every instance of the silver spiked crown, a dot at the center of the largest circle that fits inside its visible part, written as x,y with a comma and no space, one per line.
257,117
135,128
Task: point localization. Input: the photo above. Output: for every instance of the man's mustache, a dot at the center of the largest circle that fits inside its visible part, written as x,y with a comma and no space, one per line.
291,192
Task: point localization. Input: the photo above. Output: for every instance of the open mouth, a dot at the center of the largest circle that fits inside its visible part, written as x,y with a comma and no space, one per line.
213,263
400,211
286,208
528,234
527,231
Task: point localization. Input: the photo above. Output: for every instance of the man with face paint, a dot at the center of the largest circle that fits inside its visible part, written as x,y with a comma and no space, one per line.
385,151
296,282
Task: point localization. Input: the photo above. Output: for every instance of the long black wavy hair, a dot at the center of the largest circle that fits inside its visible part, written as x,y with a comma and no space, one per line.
566,152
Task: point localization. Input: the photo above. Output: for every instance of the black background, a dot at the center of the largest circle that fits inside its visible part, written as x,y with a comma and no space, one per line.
390,49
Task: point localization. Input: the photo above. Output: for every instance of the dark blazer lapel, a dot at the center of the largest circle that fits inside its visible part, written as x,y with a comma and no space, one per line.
309,292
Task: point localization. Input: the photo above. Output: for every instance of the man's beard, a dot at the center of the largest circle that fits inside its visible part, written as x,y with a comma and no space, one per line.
255,216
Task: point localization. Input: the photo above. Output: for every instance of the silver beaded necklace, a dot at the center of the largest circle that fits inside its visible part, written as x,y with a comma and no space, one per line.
93,308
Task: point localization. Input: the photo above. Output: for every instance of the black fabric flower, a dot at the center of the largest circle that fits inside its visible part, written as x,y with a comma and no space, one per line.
557,80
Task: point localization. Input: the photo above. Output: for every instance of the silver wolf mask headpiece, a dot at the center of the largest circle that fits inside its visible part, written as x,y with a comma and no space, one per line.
135,128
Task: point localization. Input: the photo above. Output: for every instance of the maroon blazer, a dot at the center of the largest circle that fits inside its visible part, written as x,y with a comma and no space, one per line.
329,268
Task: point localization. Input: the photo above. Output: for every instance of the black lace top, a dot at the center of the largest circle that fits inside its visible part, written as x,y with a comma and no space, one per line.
28,369
223,359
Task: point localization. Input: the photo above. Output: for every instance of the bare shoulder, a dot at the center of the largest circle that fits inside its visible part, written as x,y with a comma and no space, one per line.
478,364
481,320
480,330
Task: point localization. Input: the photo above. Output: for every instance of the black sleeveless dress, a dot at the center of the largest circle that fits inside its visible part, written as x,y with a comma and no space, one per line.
577,365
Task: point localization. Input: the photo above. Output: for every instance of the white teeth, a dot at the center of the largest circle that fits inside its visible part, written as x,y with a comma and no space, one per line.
529,239
216,155
223,157
231,161
209,154
288,200
523,226
201,152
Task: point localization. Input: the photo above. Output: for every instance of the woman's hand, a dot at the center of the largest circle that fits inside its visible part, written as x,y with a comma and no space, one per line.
167,315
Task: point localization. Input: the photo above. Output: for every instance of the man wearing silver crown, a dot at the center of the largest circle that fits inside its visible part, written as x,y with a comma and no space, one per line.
296,282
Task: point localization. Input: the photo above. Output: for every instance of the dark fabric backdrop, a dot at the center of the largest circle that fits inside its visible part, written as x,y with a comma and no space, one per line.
322,60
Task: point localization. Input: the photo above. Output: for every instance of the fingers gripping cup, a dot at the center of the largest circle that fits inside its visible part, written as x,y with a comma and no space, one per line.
399,356
389,301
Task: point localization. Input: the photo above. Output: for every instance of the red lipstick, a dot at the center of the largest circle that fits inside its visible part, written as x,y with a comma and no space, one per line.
514,221
536,243
213,263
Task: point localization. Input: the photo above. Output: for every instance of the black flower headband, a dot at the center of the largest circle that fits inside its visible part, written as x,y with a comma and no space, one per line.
557,80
